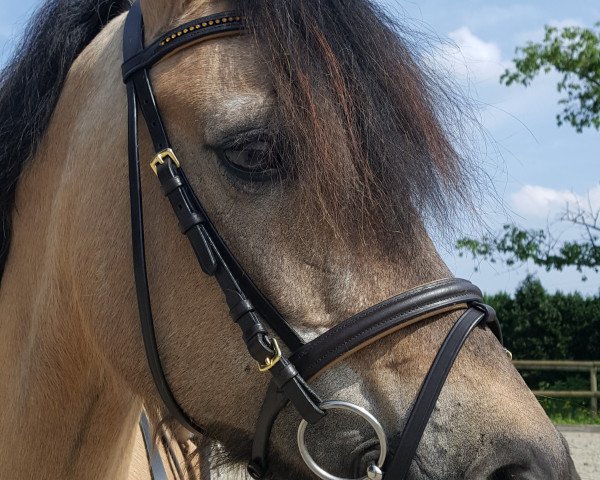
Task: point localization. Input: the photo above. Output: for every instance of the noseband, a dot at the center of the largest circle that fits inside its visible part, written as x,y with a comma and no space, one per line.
251,310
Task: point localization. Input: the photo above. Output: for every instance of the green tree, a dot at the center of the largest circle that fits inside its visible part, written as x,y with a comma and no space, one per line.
534,328
559,326
514,245
539,325
581,317
573,52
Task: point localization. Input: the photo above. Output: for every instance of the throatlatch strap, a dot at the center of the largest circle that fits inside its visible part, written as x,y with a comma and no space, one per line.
132,42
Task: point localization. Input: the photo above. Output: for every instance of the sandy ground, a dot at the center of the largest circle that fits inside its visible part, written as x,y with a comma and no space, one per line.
585,448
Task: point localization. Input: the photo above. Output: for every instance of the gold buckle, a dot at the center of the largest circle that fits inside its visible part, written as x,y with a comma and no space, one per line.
271,362
160,159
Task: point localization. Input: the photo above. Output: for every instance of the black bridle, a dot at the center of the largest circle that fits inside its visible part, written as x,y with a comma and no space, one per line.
247,305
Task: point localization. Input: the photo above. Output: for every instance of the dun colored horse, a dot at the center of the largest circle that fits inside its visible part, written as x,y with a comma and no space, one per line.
321,150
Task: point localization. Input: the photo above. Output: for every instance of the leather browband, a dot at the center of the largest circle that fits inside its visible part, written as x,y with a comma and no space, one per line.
249,308
182,35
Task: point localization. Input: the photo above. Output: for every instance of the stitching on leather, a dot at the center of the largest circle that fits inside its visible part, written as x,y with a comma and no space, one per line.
353,320
360,316
340,349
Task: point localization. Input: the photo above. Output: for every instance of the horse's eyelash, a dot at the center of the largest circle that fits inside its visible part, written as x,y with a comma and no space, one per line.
240,139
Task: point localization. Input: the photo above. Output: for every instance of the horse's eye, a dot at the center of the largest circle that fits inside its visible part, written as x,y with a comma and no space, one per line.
253,161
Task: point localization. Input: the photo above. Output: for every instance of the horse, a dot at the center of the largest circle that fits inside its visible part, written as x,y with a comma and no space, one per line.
318,143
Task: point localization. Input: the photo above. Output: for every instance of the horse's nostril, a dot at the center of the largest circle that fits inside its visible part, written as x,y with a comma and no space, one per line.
361,463
523,459
506,472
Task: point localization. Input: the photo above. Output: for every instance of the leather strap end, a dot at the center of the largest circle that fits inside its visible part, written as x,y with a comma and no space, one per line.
303,400
204,254
241,308
491,319
255,337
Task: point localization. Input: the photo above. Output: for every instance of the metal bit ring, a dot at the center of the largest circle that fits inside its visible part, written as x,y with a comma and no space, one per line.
374,470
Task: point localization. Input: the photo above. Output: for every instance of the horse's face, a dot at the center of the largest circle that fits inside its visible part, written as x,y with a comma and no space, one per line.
221,107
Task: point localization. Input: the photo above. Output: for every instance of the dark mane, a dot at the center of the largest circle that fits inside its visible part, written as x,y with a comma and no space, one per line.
368,124
31,83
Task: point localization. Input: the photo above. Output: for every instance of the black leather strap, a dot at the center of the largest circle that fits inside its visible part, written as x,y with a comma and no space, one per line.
269,313
205,27
358,331
138,73
132,24
133,33
383,318
398,466
193,222
272,405
248,306
147,104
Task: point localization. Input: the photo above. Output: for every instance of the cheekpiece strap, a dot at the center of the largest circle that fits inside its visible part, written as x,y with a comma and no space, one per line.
208,246
137,60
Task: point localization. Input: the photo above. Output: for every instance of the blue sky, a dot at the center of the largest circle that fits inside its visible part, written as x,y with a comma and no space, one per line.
536,167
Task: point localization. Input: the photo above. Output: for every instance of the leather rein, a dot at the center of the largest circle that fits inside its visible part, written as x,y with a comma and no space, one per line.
250,309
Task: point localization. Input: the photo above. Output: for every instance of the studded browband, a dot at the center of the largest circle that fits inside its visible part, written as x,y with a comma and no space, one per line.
248,307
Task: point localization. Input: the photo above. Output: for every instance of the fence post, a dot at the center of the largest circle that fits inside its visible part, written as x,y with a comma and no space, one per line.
594,385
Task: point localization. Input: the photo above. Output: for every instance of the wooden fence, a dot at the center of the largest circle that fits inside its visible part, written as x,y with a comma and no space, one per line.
568,366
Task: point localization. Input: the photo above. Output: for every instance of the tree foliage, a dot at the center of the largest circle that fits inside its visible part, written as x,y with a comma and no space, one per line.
574,52
538,325
515,245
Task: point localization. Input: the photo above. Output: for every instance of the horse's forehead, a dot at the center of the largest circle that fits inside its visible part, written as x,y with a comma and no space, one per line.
222,80
228,75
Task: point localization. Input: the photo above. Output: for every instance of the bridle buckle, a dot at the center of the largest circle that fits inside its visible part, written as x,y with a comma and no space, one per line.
271,362
160,157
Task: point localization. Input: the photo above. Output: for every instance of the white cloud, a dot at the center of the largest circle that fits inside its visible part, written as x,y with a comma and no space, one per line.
541,202
472,57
